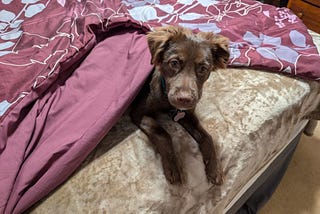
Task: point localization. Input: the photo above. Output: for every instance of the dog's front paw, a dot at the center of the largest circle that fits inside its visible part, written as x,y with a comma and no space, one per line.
172,172
214,172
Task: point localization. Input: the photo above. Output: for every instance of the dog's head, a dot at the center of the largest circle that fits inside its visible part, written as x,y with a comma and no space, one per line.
185,61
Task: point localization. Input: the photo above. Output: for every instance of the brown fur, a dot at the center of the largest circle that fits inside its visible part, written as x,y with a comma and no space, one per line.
184,60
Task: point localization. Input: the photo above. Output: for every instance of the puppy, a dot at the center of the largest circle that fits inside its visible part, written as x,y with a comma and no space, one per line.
183,62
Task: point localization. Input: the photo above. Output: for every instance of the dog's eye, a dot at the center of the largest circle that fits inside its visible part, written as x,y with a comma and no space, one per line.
174,64
203,69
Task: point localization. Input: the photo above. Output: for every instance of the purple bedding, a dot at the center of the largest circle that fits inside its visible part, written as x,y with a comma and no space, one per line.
69,69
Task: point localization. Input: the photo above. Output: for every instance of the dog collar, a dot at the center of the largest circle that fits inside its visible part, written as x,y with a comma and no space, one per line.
163,85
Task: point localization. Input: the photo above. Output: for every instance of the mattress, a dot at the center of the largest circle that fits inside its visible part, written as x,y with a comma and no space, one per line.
268,177
250,113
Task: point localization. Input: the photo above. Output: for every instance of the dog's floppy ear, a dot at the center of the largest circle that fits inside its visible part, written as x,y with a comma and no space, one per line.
219,48
158,40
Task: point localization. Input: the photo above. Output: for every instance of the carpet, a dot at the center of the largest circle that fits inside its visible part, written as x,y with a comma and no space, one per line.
299,190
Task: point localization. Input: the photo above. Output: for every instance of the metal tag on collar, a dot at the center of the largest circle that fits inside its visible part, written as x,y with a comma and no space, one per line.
177,114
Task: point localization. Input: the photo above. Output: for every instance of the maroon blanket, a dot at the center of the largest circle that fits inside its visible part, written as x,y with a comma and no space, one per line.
54,110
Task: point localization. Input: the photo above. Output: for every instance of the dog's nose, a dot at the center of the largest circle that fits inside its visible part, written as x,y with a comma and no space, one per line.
185,99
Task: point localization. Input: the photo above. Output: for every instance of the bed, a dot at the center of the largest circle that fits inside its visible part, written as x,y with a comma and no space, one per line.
70,69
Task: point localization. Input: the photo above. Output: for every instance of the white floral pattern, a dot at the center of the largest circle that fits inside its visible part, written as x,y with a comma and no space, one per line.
10,22
211,15
11,32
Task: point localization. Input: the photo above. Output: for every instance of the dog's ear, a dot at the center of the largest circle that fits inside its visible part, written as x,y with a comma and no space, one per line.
219,48
158,40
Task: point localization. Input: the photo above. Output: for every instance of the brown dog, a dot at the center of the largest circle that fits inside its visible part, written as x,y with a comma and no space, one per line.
183,62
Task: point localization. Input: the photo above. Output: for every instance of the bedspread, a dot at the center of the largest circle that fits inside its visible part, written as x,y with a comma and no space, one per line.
69,69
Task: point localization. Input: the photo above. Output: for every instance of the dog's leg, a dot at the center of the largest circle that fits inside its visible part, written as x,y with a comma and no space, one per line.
207,147
163,145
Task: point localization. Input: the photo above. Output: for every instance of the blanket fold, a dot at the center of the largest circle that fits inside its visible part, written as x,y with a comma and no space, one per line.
46,152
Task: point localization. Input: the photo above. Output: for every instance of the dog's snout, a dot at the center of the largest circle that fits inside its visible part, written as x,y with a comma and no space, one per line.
185,98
